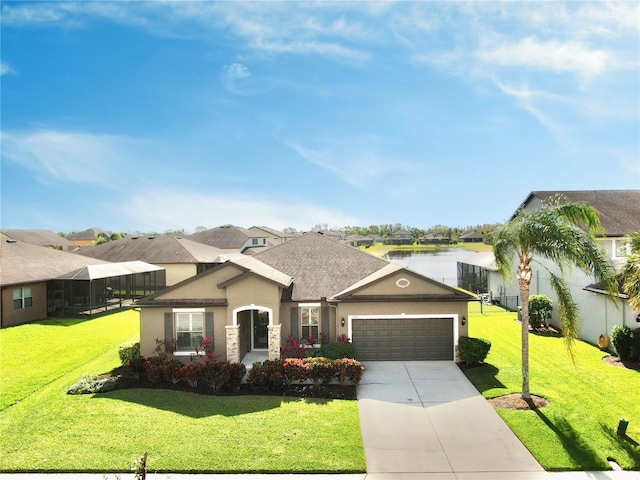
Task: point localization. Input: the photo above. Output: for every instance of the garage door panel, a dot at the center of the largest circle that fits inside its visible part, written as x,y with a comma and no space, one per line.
403,338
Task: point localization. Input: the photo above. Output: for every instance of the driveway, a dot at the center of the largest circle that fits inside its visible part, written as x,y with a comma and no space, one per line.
426,418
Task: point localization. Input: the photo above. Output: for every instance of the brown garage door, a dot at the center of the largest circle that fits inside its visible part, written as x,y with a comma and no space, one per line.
403,338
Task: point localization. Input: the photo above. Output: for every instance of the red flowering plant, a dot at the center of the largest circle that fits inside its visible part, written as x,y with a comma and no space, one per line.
349,371
343,339
206,351
293,349
190,373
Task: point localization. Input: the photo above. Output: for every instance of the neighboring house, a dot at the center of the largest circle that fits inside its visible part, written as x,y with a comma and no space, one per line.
40,282
86,237
400,237
360,240
308,285
333,235
619,212
471,237
232,239
181,258
272,235
43,238
434,239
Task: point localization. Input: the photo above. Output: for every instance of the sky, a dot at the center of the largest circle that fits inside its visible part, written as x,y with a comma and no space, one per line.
171,115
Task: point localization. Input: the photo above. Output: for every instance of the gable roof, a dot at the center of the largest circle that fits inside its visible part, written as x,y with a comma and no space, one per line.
22,262
320,266
164,249
272,231
227,237
619,209
88,234
43,238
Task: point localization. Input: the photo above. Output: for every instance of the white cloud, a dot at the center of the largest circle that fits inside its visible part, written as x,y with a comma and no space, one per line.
64,156
6,69
233,75
163,208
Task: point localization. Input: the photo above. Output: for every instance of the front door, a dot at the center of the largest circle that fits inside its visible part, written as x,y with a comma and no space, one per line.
260,321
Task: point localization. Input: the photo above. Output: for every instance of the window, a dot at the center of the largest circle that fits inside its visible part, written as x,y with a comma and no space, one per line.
22,298
621,248
310,321
189,330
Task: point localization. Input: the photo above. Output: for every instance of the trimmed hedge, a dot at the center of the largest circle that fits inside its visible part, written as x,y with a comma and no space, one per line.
473,351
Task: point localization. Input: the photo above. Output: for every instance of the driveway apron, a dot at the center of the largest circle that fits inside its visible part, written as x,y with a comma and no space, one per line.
426,417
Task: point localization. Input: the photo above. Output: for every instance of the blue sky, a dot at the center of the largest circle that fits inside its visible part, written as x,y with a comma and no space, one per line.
171,115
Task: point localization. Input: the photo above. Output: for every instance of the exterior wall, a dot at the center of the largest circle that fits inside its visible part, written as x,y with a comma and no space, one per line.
177,272
254,291
38,311
395,285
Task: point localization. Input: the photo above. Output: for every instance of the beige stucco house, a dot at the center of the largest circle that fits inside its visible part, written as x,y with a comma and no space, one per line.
308,285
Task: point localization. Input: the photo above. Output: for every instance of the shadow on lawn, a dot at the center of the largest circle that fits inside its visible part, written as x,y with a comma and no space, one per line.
483,377
582,454
625,443
201,406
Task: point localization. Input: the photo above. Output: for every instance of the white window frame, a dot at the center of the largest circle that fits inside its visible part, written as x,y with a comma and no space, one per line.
24,296
620,244
190,314
313,310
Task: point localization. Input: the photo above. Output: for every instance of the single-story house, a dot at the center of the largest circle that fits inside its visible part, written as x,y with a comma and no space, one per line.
85,237
40,282
179,257
471,237
399,237
356,240
434,239
619,212
310,285
272,235
43,238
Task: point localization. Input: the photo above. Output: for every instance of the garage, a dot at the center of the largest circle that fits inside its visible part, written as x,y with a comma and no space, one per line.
403,337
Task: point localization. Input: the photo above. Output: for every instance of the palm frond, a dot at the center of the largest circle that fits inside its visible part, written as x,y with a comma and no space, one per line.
568,310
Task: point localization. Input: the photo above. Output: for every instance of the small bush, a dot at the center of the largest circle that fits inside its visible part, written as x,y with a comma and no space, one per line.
622,338
321,370
473,351
266,377
540,307
335,351
635,347
129,353
293,349
92,384
295,370
349,371
190,373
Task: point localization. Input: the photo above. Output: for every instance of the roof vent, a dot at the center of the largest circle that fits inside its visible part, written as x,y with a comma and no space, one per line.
134,238
151,238
11,240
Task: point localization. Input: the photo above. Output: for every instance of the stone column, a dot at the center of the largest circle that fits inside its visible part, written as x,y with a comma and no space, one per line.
274,341
233,343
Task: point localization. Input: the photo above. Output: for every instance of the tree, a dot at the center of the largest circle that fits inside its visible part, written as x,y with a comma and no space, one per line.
101,238
631,273
562,232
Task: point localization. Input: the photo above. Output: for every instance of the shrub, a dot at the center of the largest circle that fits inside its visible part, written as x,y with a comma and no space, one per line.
335,351
293,349
237,372
295,370
540,307
635,347
92,384
266,377
321,370
129,352
349,371
190,373
622,338
170,369
153,369
214,375
473,351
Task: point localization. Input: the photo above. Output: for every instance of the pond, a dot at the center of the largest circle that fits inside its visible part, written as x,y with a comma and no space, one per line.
439,264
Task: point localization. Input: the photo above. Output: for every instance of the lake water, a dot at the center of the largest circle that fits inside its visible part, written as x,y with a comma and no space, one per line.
440,265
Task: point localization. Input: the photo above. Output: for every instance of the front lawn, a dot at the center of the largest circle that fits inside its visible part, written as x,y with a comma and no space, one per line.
44,429
577,431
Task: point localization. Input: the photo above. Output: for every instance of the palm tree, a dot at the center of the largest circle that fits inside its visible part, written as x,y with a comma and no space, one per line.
631,273
562,232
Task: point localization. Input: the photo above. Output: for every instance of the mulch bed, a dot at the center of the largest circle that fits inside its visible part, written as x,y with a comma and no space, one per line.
514,401
616,362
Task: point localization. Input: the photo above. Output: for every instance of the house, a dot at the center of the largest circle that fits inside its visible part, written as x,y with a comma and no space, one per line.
333,234
232,239
43,238
471,236
434,239
360,240
399,237
310,285
272,235
39,282
179,257
619,212
86,237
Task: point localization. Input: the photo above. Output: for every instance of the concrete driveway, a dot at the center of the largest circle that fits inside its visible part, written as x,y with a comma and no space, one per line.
426,420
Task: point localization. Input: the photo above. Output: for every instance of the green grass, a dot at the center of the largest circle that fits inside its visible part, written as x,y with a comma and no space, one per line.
577,431
44,429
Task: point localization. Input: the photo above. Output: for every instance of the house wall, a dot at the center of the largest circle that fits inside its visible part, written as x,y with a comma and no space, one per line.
177,272
38,311
254,291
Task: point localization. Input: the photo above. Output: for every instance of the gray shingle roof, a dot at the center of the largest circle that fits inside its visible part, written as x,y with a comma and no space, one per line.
161,249
22,262
320,266
43,238
225,237
88,234
619,209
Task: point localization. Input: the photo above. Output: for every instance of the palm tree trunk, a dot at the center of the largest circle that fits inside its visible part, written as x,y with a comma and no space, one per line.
524,281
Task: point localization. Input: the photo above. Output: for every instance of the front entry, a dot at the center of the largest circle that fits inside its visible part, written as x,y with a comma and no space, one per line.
260,332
